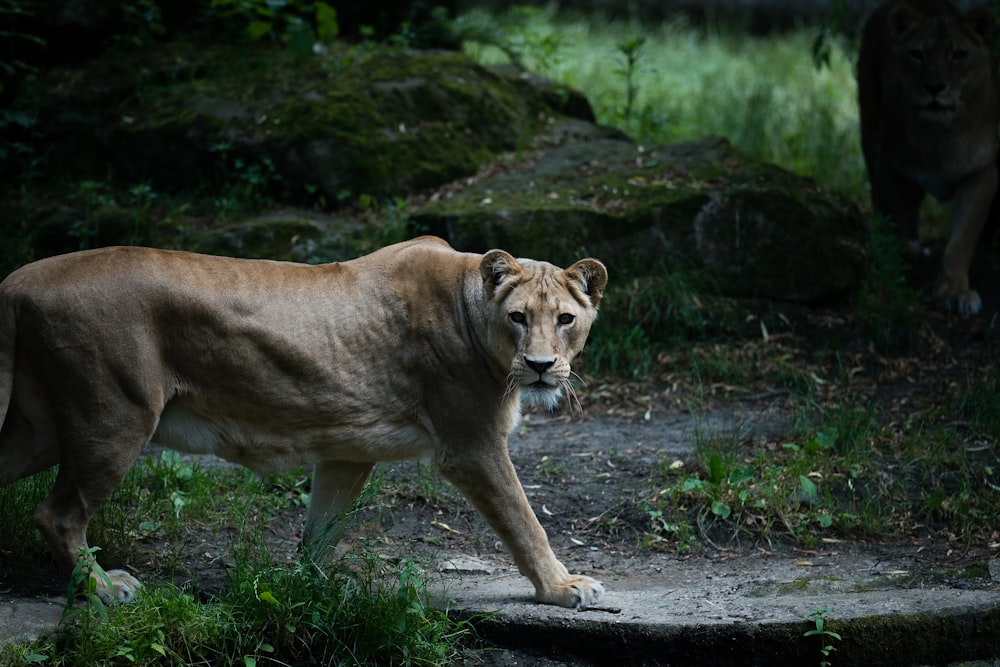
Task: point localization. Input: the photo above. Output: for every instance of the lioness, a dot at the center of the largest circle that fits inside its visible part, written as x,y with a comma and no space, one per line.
929,107
413,350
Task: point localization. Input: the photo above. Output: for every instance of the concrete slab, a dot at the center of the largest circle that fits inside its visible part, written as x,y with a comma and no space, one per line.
747,612
24,619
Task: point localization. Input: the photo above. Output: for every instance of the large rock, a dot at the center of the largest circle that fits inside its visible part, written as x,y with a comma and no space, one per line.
759,230
372,121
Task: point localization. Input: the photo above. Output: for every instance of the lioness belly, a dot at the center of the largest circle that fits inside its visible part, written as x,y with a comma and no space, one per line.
272,447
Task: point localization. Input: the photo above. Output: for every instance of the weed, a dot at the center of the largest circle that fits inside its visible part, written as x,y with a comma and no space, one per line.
888,309
247,183
359,609
83,581
631,50
362,610
141,198
303,27
524,35
819,618
738,486
978,405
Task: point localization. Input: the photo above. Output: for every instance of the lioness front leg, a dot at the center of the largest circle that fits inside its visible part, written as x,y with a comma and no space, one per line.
969,212
491,484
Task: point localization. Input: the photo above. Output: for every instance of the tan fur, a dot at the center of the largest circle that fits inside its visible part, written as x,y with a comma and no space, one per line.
413,350
928,98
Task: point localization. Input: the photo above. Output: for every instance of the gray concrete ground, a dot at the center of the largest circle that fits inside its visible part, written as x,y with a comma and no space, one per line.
746,611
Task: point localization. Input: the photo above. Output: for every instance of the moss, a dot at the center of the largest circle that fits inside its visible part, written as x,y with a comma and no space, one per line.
362,119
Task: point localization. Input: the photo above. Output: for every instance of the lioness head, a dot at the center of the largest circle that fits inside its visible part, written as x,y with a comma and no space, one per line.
942,59
539,319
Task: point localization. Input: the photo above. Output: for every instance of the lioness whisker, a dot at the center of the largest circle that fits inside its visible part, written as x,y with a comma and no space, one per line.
575,407
511,384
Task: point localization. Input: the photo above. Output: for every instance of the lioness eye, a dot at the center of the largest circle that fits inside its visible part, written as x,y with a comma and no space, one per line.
917,55
517,317
566,318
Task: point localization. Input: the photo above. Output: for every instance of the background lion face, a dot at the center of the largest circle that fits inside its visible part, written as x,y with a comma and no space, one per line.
941,60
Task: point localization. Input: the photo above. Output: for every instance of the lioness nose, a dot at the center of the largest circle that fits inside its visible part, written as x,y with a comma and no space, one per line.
539,366
935,89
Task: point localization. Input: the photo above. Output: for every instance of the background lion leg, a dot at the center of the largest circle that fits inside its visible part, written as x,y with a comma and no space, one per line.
335,487
969,212
491,484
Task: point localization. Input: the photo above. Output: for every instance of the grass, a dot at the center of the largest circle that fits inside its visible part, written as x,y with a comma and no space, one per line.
839,473
667,82
361,609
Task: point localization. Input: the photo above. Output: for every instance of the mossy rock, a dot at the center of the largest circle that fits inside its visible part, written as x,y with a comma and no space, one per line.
360,120
759,230
295,236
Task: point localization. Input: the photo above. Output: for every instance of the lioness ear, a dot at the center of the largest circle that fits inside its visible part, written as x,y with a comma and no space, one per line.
983,22
902,18
497,267
591,277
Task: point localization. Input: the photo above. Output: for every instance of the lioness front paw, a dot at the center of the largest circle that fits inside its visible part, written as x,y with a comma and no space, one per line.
965,301
123,586
576,592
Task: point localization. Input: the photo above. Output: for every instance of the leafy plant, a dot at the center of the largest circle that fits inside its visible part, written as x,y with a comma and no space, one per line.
304,27
83,581
357,609
247,183
819,617
631,50
523,34
888,309
14,71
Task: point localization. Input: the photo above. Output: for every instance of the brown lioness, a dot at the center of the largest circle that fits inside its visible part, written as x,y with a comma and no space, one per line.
413,350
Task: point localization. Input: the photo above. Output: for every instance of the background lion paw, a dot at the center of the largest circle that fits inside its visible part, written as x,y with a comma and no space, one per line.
965,302
577,592
123,587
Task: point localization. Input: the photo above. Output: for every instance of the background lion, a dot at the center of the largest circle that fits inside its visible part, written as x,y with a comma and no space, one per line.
413,350
928,99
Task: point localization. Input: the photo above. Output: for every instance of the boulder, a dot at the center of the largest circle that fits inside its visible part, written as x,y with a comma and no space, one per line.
357,121
760,231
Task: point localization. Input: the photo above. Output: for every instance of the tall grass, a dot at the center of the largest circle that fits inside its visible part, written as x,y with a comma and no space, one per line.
765,94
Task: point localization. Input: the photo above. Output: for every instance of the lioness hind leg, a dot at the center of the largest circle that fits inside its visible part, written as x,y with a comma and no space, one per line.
335,487
80,488
491,484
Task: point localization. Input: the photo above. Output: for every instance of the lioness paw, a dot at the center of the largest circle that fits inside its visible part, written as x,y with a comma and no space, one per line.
123,587
577,592
964,301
